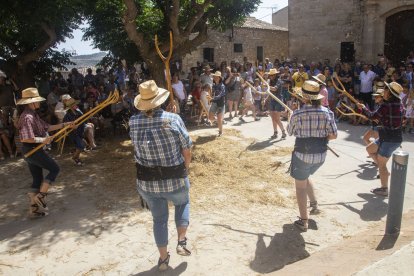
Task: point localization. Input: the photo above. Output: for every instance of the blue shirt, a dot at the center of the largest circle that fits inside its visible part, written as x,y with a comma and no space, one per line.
312,121
158,142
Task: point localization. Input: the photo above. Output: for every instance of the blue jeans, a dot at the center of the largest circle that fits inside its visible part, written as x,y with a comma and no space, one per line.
37,162
158,204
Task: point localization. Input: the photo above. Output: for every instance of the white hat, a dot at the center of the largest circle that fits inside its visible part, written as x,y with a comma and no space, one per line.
2,74
150,96
395,88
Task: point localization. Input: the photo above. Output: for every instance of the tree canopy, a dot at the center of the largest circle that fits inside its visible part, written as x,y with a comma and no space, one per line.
127,27
30,29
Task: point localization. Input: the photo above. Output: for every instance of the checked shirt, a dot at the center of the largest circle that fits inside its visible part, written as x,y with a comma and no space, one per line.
312,122
158,142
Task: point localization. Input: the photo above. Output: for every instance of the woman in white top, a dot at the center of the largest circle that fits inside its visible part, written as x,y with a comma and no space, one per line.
248,102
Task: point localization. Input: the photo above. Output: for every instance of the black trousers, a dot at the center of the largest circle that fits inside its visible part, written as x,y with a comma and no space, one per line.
366,98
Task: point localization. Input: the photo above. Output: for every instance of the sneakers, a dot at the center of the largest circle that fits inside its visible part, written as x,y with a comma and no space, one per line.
77,161
380,191
283,134
274,136
241,119
182,248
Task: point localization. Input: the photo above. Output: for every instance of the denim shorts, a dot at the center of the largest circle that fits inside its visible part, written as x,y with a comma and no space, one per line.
386,149
215,109
300,170
275,106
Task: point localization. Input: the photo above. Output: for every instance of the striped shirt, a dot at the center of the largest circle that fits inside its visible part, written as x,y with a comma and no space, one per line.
312,121
158,142
31,125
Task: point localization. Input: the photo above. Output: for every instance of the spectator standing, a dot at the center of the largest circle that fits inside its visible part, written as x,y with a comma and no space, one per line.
367,78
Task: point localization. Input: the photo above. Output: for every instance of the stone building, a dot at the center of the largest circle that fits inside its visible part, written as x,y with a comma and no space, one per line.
351,29
281,18
255,40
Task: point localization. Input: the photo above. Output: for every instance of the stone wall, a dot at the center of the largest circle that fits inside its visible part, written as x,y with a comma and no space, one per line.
281,18
317,27
274,43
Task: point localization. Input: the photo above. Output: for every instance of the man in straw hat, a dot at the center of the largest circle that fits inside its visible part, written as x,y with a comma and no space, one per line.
217,102
313,126
389,116
162,155
34,131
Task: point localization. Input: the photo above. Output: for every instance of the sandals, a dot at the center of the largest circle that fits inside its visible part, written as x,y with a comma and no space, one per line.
182,248
380,191
300,224
163,264
40,200
283,135
274,136
35,213
314,208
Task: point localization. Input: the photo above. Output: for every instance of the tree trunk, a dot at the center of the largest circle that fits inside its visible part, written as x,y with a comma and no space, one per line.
157,71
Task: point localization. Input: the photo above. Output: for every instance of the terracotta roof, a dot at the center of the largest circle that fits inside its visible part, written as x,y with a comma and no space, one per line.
254,23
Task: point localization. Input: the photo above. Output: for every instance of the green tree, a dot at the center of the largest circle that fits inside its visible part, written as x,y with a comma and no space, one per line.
28,32
127,27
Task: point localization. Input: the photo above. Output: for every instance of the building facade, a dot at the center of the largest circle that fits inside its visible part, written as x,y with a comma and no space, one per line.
351,29
281,18
255,40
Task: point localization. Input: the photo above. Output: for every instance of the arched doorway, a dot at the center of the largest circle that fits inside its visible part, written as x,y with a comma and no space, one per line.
399,35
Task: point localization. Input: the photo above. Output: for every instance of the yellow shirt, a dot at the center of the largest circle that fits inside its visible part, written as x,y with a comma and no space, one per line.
299,78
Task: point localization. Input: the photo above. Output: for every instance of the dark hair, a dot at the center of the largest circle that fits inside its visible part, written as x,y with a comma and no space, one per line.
316,103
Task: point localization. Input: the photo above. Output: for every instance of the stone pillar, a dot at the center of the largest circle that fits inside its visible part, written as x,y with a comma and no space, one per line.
369,31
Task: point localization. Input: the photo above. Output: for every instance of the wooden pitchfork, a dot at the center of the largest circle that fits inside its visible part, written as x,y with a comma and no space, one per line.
166,60
67,129
342,89
273,96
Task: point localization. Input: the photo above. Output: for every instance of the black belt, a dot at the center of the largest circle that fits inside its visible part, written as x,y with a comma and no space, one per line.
160,173
311,145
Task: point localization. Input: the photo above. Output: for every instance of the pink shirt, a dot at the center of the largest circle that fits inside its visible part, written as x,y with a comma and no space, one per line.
324,93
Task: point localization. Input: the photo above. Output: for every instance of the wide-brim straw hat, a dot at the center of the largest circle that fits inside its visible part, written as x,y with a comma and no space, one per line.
69,103
395,88
310,90
150,96
273,71
320,78
30,95
217,74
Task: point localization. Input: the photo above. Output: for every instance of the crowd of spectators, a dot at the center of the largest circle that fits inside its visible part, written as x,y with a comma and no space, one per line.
193,91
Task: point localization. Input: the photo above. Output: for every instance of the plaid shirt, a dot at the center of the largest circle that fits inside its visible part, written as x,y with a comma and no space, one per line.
30,125
158,141
312,122
389,114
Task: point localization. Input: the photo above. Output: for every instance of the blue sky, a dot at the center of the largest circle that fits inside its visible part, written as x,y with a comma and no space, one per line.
264,12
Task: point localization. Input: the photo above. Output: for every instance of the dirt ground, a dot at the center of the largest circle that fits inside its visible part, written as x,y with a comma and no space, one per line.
242,210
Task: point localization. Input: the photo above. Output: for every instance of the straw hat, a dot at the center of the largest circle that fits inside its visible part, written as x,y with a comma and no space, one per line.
273,71
69,103
30,95
395,88
150,96
310,90
217,74
320,78
379,92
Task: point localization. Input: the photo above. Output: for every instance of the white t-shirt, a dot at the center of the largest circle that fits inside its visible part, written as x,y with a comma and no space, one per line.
60,111
204,100
178,89
366,81
248,95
